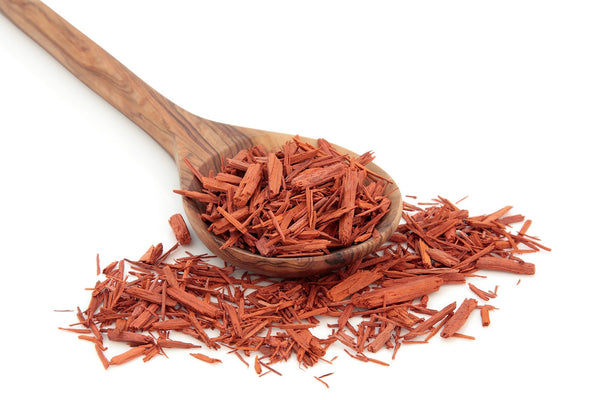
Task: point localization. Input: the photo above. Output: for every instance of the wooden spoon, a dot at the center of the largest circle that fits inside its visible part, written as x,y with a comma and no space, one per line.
182,135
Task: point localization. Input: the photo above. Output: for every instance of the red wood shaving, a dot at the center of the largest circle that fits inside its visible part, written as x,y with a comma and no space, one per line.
296,201
182,234
485,314
205,358
483,295
459,318
320,379
379,302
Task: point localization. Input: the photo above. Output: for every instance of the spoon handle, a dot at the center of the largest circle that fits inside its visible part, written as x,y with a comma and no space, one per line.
100,71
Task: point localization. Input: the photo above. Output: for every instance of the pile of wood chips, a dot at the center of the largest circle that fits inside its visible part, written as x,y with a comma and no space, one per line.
377,303
301,200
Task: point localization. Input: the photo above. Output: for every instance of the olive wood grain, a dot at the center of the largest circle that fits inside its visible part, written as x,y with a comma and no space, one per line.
181,134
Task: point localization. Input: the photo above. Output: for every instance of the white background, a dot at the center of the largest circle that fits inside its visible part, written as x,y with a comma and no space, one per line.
497,101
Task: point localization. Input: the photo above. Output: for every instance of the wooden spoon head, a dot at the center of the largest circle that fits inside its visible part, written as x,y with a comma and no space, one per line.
226,141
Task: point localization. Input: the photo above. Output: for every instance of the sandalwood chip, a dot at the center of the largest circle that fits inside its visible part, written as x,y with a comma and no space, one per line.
180,229
401,292
129,355
205,358
459,318
505,265
485,314
353,284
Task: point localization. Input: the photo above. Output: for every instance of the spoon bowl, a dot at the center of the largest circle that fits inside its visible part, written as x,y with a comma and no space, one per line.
276,266
184,136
